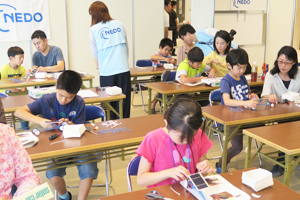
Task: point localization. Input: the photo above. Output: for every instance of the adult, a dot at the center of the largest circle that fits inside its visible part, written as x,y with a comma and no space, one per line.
284,77
47,58
173,25
168,8
109,48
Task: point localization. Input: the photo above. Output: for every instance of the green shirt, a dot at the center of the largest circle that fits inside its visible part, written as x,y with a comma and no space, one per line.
185,69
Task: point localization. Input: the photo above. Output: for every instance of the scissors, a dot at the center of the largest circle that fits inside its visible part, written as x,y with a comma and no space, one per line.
153,194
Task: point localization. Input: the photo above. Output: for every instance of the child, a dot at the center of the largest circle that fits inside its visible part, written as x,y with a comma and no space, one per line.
234,90
191,69
16,167
65,106
171,153
165,47
14,69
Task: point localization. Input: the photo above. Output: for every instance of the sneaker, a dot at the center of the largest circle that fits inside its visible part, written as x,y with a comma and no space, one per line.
70,196
277,171
153,112
25,125
219,168
298,167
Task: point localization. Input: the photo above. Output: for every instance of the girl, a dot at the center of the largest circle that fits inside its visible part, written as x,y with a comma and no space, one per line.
109,48
217,58
282,78
172,153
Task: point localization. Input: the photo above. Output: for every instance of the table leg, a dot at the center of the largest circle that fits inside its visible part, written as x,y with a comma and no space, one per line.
225,147
91,83
149,101
121,109
248,153
164,96
287,170
107,112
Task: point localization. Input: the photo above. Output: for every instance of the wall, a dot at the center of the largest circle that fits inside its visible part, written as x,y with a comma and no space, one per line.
201,14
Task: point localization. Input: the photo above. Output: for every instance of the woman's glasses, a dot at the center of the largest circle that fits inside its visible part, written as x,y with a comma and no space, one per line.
288,64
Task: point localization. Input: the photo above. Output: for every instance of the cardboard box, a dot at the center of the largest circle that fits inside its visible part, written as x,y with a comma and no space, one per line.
113,90
73,131
40,75
38,92
168,66
291,96
257,179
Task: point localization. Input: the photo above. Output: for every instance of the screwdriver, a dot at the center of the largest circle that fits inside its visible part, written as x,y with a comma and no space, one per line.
88,129
52,137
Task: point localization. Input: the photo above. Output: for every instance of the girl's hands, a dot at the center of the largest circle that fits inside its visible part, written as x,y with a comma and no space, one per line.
179,173
216,61
273,99
205,167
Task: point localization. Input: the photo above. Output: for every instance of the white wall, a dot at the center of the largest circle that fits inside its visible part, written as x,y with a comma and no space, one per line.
201,14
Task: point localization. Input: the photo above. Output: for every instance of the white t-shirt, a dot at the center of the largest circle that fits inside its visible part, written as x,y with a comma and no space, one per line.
167,20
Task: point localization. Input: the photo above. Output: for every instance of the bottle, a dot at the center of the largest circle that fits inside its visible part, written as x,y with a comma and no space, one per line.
254,72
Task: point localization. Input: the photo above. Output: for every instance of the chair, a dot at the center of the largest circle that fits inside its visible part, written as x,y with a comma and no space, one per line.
167,76
132,170
215,96
95,112
141,63
2,95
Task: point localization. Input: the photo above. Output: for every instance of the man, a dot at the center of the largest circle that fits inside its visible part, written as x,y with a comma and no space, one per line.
168,8
173,25
47,58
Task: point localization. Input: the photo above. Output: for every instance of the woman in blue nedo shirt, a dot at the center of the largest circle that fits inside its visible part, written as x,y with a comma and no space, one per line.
110,51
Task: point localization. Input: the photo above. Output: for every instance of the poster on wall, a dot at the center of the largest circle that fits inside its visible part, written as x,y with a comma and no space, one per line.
241,4
20,18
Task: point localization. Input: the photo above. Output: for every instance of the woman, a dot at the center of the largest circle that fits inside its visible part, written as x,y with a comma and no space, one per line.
217,58
109,48
15,165
284,77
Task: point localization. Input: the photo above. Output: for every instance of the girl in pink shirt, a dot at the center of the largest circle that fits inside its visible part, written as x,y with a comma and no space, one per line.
171,153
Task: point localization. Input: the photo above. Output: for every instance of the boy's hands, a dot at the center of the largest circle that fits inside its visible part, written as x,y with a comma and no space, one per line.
212,74
167,60
253,96
251,103
65,120
179,173
45,125
28,71
273,99
205,167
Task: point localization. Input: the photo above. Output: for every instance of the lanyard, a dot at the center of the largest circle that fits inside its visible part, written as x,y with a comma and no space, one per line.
237,94
180,156
57,108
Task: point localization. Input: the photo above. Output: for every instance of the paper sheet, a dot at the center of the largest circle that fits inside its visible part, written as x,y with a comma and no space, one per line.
86,93
194,84
39,80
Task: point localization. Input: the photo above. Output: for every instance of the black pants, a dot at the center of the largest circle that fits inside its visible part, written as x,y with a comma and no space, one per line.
123,81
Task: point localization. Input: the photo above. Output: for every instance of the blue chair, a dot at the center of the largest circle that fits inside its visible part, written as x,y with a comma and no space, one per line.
2,95
132,170
144,63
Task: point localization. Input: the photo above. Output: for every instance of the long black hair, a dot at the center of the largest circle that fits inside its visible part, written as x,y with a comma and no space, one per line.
225,36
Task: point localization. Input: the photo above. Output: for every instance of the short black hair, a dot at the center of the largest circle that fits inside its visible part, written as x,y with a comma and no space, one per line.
225,36
237,56
38,34
70,81
186,28
167,2
195,55
166,42
173,3
291,54
13,51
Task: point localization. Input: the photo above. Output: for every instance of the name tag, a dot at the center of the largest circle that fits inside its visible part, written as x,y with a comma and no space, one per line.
41,192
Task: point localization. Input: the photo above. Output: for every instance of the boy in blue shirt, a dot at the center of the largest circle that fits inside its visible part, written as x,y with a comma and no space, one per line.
63,105
234,90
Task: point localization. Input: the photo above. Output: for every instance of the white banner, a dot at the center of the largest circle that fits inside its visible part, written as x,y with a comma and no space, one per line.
20,18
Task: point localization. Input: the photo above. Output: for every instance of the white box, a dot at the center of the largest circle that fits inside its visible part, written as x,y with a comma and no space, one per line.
168,66
38,92
73,131
41,75
257,179
113,90
291,96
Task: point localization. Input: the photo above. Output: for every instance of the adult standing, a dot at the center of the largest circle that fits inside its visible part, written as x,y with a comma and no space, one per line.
168,8
109,48
173,25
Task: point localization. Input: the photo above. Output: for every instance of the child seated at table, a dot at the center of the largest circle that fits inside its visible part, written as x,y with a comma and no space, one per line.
14,69
15,165
63,105
171,153
191,69
234,90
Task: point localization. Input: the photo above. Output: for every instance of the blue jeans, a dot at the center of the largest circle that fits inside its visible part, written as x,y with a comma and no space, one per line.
86,170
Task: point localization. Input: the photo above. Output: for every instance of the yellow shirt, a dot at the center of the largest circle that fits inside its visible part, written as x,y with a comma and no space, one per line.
7,72
221,69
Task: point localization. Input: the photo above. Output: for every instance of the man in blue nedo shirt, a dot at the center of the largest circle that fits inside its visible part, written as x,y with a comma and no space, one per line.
66,106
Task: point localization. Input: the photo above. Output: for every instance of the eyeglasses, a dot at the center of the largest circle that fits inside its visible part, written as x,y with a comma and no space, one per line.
288,64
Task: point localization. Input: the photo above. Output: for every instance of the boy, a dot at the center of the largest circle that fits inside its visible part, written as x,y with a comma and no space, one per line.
63,105
173,25
191,69
234,91
14,69
165,47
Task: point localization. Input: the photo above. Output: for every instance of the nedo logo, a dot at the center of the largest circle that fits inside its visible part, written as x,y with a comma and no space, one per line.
14,17
237,2
105,32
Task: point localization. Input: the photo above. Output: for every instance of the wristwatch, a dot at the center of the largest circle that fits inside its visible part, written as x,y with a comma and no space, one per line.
48,69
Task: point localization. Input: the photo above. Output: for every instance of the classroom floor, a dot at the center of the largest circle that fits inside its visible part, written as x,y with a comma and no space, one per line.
119,183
